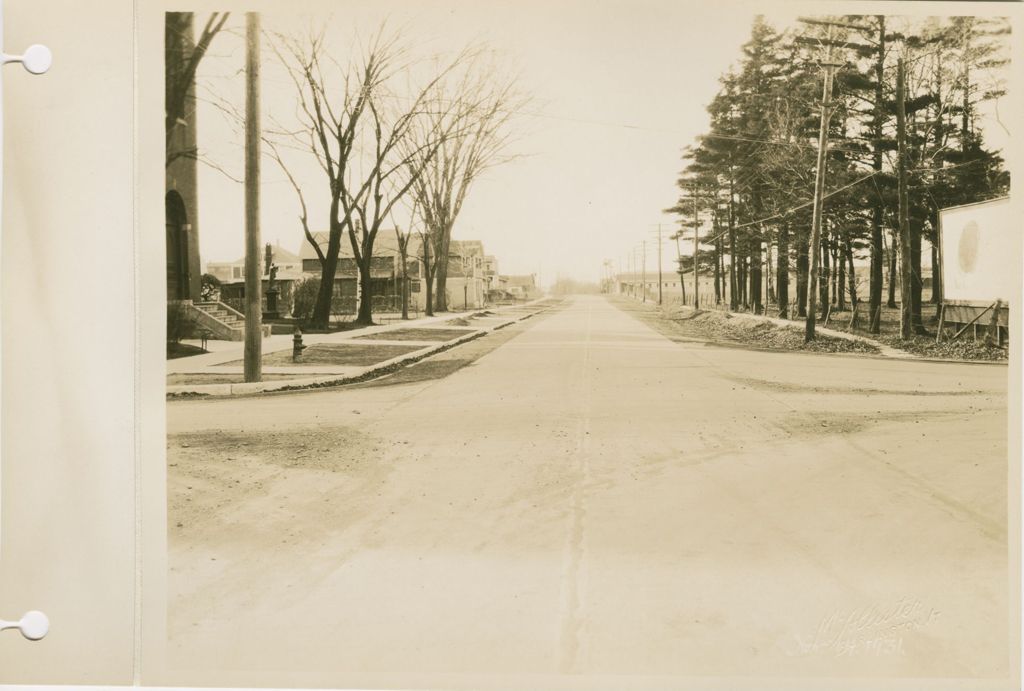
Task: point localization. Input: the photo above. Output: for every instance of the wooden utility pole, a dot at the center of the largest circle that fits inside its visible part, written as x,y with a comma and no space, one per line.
253,275
696,250
906,308
643,272
659,264
679,264
878,210
819,191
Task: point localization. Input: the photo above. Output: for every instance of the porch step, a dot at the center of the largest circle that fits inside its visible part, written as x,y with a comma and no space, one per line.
221,321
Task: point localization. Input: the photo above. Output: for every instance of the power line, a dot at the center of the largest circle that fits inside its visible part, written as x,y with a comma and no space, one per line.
859,180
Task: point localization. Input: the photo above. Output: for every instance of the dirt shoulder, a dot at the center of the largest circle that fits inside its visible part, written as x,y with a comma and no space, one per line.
960,349
721,328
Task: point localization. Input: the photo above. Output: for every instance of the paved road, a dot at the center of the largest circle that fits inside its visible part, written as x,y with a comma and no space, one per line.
593,498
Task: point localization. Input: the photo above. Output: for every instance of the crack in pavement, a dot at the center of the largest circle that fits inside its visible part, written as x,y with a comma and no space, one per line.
571,602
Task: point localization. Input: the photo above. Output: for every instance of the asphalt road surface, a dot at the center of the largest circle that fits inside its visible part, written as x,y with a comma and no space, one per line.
581,495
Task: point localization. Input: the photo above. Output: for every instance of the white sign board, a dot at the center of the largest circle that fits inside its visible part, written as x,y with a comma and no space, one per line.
979,244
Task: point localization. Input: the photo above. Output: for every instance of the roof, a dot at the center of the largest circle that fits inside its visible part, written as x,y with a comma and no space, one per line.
385,245
281,276
466,248
651,276
984,201
281,256
526,280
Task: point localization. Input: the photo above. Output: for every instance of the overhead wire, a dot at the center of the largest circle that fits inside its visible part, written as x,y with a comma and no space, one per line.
803,205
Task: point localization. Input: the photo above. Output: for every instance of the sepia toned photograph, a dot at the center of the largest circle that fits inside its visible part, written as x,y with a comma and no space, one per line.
589,344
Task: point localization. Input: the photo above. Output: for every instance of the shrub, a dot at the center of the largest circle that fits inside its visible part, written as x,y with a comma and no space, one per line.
304,299
179,324
209,288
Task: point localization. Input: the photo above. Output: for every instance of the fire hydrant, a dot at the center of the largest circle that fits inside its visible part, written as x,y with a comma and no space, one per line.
297,346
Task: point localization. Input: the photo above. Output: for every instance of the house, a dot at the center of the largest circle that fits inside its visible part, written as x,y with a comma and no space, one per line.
385,272
466,283
522,287
491,275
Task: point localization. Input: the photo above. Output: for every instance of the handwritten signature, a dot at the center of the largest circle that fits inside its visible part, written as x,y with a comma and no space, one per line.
877,629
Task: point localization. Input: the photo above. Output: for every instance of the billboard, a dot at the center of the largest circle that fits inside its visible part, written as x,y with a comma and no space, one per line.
980,253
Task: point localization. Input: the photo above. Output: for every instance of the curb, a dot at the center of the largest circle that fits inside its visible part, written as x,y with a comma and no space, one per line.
187,391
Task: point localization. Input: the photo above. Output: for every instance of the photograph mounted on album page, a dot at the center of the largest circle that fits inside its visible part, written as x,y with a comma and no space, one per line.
578,343
68,565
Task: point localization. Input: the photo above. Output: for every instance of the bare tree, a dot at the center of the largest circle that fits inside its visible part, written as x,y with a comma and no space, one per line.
370,140
328,129
483,103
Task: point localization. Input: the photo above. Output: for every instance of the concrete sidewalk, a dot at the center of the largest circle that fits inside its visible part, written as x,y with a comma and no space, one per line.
221,359
226,351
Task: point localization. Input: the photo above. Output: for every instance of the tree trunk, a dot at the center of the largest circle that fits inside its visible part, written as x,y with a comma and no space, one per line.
877,271
965,110
321,318
755,274
365,315
877,255
802,267
838,273
851,273
840,263
441,270
892,270
906,240
428,280
721,261
744,293
733,291
915,277
405,287
823,280
718,272
782,271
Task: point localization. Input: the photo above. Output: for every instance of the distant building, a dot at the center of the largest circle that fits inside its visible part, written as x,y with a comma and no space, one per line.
629,283
467,282
385,271
522,286
491,275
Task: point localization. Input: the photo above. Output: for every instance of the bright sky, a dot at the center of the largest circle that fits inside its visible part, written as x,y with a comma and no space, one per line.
621,88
